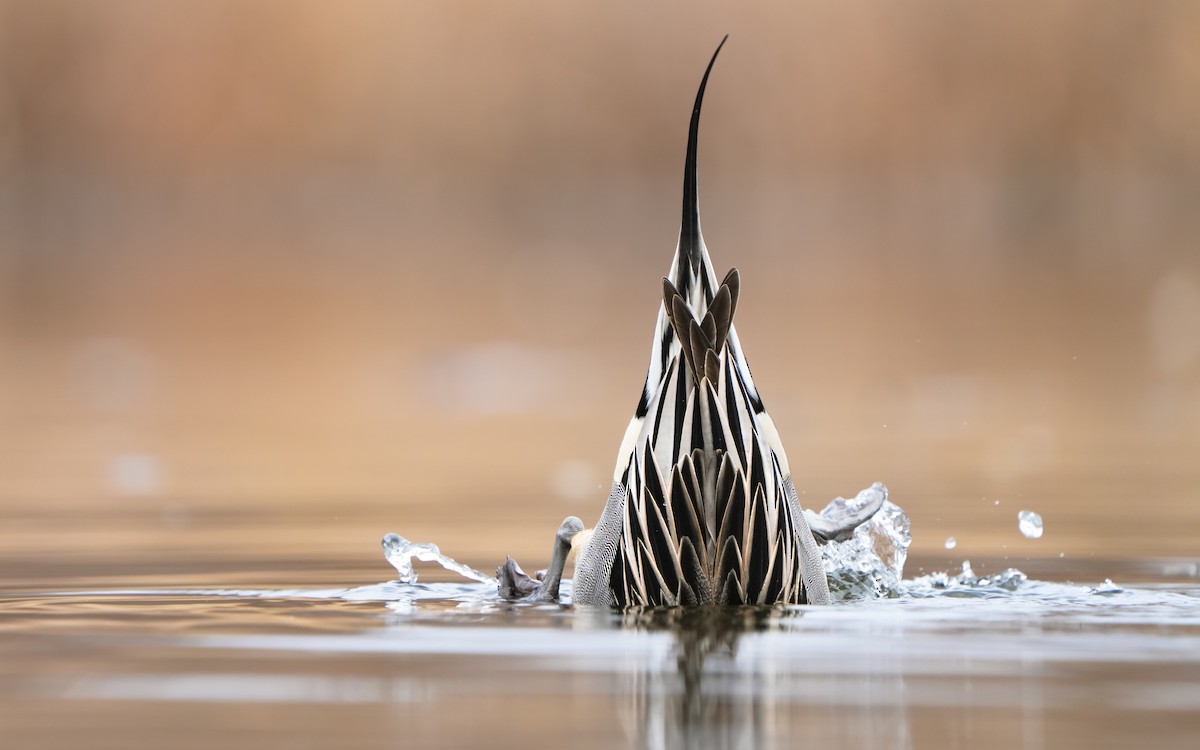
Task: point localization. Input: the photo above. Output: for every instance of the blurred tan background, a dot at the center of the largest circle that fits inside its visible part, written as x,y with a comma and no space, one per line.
278,277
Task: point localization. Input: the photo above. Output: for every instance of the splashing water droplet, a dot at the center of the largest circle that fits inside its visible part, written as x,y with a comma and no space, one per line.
1030,524
400,553
951,542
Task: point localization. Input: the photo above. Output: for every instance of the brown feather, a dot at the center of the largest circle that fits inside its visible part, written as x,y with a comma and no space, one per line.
733,280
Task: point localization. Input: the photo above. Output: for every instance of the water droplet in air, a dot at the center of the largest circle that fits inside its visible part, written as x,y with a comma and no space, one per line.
951,542
1030,524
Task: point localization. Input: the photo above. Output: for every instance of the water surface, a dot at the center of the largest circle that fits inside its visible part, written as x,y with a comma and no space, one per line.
446,664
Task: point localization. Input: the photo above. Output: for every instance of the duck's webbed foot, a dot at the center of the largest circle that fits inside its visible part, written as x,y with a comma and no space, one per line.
841,517
515,584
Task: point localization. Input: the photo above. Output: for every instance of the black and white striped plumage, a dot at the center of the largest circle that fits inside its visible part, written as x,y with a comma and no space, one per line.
702,508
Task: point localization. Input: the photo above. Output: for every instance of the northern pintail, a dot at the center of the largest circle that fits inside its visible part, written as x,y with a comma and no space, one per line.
702,508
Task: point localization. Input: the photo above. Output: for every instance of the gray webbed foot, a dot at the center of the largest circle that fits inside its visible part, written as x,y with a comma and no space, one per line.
841,517
515,584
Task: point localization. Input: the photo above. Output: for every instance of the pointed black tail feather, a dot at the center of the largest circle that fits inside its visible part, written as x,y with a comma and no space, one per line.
689,232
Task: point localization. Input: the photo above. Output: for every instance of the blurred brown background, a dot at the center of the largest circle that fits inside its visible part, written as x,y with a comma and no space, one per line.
278,277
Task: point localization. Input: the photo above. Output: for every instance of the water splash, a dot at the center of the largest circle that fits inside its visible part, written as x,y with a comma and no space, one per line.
870,564
1030,524
1106,588
965,584
400,553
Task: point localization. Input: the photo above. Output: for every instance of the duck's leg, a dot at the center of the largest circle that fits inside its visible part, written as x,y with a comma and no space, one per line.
515,584
558,559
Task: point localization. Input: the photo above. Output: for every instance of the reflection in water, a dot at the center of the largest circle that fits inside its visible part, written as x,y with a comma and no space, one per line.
715,695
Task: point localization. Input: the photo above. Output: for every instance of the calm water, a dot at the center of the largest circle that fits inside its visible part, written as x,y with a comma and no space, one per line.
445,664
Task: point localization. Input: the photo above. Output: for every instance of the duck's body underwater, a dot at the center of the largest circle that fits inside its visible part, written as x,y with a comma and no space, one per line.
702,508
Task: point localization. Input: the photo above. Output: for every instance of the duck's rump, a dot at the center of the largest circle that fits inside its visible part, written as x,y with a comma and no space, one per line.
703,513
